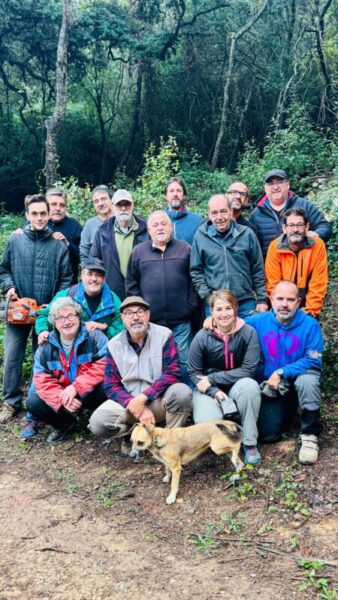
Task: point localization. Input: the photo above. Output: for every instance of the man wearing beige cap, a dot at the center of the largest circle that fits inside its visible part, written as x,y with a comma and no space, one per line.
141,376
115,239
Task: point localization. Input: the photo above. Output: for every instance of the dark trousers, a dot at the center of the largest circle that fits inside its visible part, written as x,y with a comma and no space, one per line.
15,342
62,418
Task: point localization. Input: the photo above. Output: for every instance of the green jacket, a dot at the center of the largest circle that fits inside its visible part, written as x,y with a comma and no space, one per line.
108,311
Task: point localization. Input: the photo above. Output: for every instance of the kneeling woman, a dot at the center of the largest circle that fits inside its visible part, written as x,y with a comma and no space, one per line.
221,364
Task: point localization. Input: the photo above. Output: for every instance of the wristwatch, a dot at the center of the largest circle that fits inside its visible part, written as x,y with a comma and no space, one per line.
280,372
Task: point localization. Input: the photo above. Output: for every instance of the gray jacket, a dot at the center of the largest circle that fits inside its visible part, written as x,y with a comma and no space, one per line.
236,264
36,265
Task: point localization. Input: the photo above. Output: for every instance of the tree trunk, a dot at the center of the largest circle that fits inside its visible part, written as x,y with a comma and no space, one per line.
53,123
227,76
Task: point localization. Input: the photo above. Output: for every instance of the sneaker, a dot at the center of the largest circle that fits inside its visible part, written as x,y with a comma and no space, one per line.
7,413
251,456
57,435
30,430
308,451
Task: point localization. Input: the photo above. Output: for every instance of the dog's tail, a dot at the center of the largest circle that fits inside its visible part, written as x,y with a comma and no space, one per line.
233,431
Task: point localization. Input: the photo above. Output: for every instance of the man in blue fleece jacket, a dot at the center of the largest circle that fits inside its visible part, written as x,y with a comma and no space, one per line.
292,346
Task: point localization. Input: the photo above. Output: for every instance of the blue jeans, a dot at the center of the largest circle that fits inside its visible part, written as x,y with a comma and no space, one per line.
245,308
183,336
16,337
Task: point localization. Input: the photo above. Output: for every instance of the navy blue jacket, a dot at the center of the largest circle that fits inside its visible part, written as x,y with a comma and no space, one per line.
71,229
104,247
269,225
163,280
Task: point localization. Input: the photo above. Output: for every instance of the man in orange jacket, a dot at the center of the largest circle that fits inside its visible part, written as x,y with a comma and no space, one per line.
299,258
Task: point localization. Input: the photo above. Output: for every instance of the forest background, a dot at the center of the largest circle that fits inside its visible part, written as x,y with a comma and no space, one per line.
222,88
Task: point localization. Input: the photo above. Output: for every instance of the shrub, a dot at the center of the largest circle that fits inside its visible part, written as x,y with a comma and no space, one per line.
300,148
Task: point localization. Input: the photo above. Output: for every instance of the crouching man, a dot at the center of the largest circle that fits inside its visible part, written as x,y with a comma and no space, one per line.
292,346
68,370
141,376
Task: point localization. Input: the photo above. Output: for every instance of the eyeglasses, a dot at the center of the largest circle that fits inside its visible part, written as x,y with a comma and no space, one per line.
140,312
70,318
295,226
237,193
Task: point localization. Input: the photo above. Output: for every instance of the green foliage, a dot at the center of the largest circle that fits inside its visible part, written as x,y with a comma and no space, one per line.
287,494
321,585
205,541
300,148
107,494
158,167
78,199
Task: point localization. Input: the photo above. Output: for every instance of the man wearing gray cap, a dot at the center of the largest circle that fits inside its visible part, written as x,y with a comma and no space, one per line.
141,376
115,239
267,217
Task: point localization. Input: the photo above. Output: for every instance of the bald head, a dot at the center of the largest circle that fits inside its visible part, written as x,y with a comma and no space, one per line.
285,300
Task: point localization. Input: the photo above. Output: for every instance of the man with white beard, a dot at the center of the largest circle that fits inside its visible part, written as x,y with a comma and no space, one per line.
116,238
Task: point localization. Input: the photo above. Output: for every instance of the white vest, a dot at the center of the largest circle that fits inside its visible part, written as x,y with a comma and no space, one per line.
138,372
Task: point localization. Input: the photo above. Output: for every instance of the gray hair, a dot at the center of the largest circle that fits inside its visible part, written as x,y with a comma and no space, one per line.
102,188
60,304
56,192
159,212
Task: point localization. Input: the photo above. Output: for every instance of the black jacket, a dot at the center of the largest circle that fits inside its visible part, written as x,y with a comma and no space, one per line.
163,280
71,229
269,225
104,247
36,265
224,364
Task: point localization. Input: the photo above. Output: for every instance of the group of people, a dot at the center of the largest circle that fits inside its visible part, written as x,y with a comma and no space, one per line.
172,315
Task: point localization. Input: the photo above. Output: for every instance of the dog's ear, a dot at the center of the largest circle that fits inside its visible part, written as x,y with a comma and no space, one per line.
160,440
149,427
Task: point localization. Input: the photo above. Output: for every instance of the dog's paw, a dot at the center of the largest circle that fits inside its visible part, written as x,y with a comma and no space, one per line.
239,465
166,479
171,499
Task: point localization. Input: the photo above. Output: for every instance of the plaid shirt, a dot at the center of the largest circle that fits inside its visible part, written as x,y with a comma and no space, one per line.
171,371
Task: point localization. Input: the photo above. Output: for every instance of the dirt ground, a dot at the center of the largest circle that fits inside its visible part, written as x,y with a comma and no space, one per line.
80,522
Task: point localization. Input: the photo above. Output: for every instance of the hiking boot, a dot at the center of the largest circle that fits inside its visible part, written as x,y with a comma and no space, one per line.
7,413
57,435
30,430
251,456
308,451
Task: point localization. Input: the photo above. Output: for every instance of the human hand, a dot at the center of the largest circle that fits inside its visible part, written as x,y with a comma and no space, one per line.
11,294
57,235
208,323
18,231
274,381
91,325
220,395
147,417
136,405
43,337
262,307
312,233
203,384
69,400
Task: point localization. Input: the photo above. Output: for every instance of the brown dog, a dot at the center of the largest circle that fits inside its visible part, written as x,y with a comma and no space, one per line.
178,446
